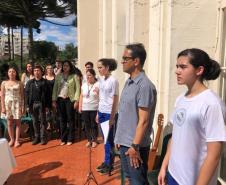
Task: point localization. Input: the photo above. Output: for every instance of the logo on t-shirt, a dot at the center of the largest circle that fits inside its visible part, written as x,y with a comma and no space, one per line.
180,116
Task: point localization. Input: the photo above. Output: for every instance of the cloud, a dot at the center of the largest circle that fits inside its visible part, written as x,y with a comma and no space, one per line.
65,21
4,31
60,35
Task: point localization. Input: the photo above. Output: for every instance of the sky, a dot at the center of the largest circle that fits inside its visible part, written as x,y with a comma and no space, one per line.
60,35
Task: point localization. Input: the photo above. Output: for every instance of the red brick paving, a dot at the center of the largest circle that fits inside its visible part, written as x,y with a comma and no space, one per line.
59,165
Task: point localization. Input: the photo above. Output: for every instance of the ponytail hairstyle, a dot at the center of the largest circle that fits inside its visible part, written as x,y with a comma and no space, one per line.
197,58
109,62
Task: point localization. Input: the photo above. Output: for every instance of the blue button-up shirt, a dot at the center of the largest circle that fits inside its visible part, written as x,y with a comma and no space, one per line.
137,92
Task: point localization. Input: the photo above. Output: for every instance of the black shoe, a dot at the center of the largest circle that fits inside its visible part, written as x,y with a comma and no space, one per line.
43,142
99,168
35,141
106,170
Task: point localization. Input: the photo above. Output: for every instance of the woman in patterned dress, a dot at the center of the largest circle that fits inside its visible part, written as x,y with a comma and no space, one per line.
12,103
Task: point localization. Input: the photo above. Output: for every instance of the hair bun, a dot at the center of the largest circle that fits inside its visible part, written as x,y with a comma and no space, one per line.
214,70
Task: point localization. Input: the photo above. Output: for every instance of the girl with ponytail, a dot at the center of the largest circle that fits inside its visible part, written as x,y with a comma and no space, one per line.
198,121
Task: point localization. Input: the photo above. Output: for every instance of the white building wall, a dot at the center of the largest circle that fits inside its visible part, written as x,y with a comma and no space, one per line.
164,27
194,24
88,31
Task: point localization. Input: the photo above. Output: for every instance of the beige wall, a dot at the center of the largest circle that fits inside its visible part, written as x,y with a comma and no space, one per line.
88,31
194,24
165,28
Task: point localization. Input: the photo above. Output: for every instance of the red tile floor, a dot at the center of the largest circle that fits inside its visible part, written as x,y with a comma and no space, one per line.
53,164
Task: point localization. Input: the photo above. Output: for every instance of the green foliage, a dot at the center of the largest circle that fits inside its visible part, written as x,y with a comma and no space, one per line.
4,65
44,51
69,53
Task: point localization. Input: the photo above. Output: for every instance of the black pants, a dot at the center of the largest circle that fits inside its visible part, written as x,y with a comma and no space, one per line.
89,118
39,121
66,112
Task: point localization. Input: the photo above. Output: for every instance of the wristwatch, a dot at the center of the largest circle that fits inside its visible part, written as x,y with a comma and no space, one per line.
136,147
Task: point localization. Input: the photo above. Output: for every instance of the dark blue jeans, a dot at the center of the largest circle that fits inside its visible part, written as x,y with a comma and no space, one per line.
136,176
171,180
109,146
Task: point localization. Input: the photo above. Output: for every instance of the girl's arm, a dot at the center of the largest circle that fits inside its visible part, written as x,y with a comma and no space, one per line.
214,150
80,102
113,110
23,78
22,97
3,97
163,170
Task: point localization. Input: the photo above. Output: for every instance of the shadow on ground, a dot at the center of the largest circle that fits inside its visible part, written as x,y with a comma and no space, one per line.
35,176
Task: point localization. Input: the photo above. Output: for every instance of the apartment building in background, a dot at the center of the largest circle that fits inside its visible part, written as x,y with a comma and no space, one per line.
4,47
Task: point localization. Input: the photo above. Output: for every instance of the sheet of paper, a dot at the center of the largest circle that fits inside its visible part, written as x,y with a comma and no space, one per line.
105,130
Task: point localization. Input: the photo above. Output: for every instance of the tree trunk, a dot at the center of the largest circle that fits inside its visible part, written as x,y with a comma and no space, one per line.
21,48
9,45
12,44
30,35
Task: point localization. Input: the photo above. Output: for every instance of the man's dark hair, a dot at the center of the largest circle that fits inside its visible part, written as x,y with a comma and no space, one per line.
38,66
138,51
89,63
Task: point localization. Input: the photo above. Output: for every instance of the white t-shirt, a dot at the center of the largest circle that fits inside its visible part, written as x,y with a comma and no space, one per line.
63,89
90,96
196,121
108,89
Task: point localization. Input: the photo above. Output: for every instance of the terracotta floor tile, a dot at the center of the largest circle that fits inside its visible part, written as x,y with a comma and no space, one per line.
53,164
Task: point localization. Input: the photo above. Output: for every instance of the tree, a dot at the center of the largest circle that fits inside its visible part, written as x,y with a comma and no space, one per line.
45,51
70,51
33,10
1,30
10,21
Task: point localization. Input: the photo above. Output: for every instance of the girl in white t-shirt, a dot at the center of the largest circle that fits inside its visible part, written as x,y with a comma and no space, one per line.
88,105
108,102
198,122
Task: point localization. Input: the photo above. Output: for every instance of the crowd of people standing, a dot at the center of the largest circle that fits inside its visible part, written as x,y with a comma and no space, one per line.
198,120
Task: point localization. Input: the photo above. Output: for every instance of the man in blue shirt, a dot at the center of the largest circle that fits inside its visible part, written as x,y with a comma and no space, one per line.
136,113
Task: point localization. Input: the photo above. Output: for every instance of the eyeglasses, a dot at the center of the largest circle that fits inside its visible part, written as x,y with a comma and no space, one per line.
126,59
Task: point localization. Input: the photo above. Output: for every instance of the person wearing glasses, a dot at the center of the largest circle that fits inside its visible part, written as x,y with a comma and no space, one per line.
136,114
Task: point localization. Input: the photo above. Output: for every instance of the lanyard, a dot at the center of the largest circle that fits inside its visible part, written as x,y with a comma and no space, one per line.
89,89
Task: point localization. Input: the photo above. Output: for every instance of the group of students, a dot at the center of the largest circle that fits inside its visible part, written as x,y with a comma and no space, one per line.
198,118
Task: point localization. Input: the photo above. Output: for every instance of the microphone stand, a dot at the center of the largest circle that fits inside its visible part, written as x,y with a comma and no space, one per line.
90,175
